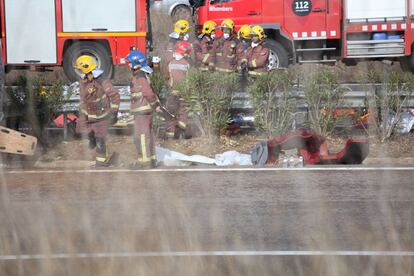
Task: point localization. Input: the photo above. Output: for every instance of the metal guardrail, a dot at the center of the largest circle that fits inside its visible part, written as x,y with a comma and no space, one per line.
354,96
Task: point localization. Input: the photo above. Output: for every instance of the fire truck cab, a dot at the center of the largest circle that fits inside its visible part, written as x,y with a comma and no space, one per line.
56,32
324,31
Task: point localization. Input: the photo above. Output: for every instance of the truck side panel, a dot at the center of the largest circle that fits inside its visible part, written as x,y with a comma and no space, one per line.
34,42
375,9
114,16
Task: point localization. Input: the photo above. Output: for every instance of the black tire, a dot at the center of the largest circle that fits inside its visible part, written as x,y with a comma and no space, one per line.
406,64
95,49
279,53
181,12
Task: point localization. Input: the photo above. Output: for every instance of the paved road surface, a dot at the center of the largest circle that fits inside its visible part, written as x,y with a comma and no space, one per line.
217,222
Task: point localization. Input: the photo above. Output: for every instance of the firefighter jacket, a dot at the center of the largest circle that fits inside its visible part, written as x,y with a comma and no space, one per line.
177,70
241,51
226,56
143,98
205,52
98,99
169,53
257,59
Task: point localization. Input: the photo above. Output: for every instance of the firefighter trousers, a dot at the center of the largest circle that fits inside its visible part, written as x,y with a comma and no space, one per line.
144,138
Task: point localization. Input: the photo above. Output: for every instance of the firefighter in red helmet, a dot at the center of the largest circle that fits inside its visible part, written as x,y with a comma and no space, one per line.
178,69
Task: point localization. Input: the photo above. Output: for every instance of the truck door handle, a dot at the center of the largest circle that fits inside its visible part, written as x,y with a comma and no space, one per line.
251,13
319,10
99,29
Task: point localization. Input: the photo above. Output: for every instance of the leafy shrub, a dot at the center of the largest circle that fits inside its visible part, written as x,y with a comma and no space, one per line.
208,97
273,105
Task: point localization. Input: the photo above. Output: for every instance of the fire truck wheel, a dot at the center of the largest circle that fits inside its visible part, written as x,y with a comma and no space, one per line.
279,57
95,49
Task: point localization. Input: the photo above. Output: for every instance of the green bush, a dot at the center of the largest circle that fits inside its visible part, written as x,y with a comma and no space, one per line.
387,94
34,103
273,105
208,97
323,95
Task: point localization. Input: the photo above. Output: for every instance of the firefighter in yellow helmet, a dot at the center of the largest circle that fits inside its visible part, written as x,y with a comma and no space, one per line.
180,33
99,104
245,41
226,57
205,48
257,54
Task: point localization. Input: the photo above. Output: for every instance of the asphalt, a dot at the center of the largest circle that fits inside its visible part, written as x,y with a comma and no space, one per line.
311,221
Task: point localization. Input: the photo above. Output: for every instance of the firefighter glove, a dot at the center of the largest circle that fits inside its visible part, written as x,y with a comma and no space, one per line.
114,118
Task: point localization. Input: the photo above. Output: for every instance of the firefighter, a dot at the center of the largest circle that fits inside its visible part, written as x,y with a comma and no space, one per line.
180,33
178,68
205,48
99,104
226,48
245,41
257,54
143,103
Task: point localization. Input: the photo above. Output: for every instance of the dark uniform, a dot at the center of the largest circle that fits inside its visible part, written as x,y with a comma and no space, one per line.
226,54
143,103
257,59
177,71
98,100
205,53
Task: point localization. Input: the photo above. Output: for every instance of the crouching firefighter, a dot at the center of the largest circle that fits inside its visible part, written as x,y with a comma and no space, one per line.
99,104
143,103
178,69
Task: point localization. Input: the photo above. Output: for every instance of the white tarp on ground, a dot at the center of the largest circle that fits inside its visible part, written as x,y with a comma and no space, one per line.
172,158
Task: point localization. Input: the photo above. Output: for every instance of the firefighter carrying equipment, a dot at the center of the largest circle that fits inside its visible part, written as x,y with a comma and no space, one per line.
227,23
181,26
138,61
244,32
209,27
258,31
85,64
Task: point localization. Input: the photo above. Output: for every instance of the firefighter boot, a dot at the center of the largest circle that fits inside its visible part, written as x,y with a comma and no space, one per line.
92,140
101,153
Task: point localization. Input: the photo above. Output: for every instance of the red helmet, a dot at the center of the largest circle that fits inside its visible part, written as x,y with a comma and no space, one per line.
183,48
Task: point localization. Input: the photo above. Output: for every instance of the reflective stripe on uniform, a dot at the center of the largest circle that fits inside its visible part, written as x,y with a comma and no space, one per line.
254,63
203,69
219,54
170,134
136,95
114,106
144,150
147,160
180,67
231,56
224,70
101,159
254,73
142,108
182,125
84,112
206,58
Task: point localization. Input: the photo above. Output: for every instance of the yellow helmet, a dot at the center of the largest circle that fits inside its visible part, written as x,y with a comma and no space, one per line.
228,23
244,32
259,31
208,27
85,64
181,26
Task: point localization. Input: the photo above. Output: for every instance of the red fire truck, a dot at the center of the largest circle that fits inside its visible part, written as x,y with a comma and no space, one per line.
307,31
56,32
